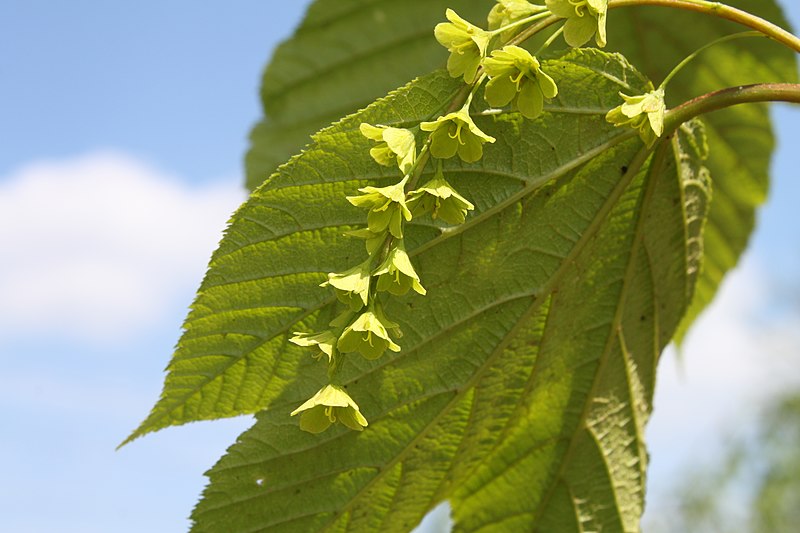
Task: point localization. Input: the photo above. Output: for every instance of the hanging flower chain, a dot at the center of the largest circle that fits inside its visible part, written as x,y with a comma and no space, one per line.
513,76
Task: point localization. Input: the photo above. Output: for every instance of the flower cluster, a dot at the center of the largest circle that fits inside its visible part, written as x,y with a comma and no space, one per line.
330,404
469,45
456,133
644,113
466,43
515,76
363,327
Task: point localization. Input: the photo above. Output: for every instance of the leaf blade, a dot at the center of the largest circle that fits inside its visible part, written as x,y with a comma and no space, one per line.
426,394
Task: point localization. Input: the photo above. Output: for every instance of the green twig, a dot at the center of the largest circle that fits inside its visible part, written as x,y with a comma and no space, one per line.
743,94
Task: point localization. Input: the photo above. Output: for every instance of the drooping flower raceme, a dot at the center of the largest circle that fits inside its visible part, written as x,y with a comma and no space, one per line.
466,43
395,146
644,113
330,404
440,199
456,133
585,18
515,73
387,208
368,335
396,274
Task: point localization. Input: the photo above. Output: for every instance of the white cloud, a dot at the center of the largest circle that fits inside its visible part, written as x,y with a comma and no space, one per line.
738,354
98,247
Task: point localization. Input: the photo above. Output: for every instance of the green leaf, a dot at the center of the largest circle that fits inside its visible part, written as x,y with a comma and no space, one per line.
343,56
741,137
526,374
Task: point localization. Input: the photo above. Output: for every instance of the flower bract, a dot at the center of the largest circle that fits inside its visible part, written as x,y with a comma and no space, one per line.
352,285
395,146
644,113
467,45
387,207
325,341
330,404
585,18
442,200
517,74
456,133
367,335
396,274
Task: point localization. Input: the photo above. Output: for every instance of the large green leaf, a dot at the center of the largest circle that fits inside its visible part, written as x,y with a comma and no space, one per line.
741,137
527,372
343,56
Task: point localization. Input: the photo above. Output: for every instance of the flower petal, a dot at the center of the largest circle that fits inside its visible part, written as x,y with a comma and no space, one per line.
547,84
315,420
530,101
578,30
471,150
560,8
442,145
600,37
402,143
351,418
500,91
373,133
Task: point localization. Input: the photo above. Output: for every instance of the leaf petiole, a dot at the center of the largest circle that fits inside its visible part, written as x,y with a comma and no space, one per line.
718,9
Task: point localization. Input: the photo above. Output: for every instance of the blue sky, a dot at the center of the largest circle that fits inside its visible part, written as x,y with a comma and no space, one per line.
122,131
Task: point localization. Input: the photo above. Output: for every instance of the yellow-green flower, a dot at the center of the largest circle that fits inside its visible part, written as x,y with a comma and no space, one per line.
330,404
396,274
387,207
506,12
467,45
585,18
644,113
368,335
442,200
456,133
352,285
395,146
517,74
325,341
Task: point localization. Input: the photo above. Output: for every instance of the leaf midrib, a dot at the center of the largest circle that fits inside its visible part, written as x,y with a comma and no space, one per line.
616,324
